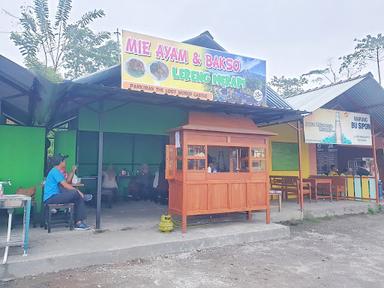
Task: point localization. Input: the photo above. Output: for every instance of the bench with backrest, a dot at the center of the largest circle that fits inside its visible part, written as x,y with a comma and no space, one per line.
290,185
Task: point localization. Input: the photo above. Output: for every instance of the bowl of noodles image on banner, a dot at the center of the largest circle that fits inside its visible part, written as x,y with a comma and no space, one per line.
135,67
159,71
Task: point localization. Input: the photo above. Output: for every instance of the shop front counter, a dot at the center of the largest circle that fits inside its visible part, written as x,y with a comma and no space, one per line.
361,188
214,167
350,187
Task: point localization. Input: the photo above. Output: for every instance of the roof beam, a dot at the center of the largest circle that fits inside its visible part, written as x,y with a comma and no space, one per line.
14,96
13,84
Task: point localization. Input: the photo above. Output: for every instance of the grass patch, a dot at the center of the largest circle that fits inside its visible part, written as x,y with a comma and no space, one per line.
292,222
328,217
371,211
375,210
99,231
126,228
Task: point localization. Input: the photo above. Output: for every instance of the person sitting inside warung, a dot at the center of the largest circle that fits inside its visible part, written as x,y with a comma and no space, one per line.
58,190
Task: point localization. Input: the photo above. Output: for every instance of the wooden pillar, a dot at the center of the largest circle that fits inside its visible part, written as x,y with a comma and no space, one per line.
375,162
299,140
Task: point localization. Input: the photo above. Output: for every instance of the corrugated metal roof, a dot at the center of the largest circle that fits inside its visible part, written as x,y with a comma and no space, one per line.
317,98
16,87
275,100
361,94
205,39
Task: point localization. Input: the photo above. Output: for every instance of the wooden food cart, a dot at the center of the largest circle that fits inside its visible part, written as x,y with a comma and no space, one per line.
217,164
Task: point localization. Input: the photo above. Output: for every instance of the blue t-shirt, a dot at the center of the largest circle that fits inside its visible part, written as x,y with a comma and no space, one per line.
52,183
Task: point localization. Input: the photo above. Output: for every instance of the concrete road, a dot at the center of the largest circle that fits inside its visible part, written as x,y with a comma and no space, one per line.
334,252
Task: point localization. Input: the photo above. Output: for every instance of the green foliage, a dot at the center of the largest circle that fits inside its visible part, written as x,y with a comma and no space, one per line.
370,48
86,46
322,73
287,87
57,47
48,72
371,211
350,66
377,209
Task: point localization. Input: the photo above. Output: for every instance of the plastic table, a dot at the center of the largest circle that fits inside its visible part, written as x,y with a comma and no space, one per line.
10,203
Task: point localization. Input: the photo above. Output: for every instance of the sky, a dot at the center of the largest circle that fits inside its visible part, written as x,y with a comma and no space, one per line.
293,36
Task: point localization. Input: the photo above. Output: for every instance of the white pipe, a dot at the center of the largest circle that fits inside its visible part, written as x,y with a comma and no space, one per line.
10,213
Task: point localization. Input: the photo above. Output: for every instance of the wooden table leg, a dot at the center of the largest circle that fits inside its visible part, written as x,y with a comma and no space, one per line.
249,215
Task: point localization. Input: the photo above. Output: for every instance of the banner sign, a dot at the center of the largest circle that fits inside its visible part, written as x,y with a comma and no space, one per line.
166,67
338,127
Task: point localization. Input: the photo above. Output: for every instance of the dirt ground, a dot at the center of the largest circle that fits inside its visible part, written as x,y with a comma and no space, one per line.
335,252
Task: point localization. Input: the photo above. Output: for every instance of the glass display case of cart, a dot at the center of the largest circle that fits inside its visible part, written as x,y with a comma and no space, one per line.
196,157
258,159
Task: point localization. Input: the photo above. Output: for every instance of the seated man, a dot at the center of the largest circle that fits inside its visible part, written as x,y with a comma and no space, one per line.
160,186
363,169
145,180
334,171
57,190
109,179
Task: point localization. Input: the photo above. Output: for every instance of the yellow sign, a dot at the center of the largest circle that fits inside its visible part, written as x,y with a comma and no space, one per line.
161,66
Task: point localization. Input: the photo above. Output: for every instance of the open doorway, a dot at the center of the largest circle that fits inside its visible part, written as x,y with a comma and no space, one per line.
137,163
346,159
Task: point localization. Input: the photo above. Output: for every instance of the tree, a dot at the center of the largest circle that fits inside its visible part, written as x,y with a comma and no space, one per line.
370,48
335,71
89,52
287,87
367,49
349,67
56,46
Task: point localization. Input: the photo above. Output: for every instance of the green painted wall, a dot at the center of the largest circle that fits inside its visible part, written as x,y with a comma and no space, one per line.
65,143
134,118
87,156
133,134
122,150
22,157
285,156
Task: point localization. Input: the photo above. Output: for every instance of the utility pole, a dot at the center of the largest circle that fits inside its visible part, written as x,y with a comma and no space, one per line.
117,33
378,64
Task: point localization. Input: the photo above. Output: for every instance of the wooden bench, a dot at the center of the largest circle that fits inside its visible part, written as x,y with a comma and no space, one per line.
290,185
